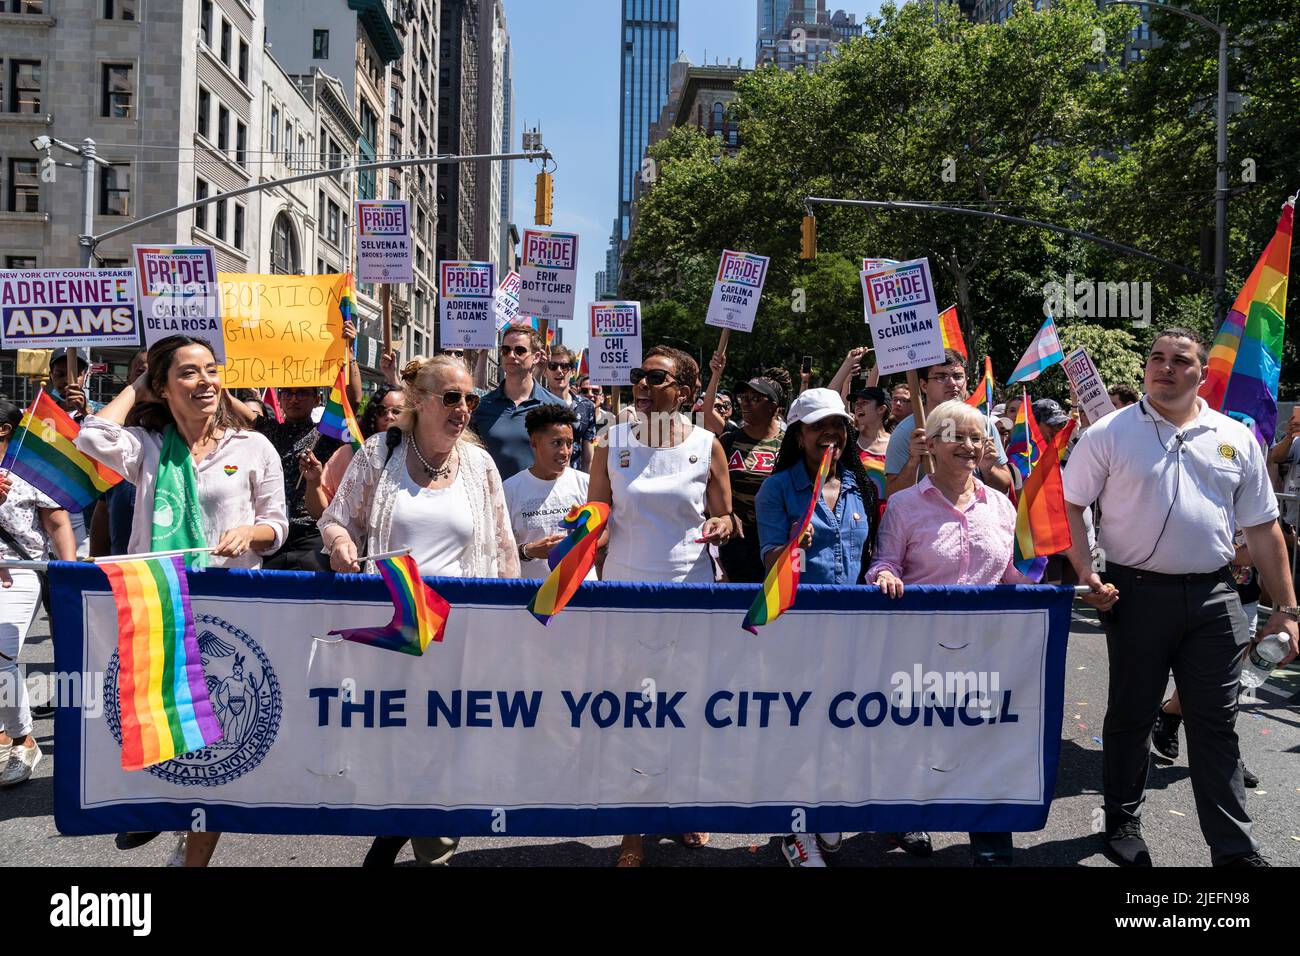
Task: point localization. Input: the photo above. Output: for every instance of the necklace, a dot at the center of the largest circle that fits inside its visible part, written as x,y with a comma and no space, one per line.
433,473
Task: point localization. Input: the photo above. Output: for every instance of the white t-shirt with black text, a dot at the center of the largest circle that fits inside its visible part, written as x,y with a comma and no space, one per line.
537,509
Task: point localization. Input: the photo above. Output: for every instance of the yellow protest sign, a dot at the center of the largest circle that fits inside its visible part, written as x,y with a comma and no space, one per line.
34,363
282,331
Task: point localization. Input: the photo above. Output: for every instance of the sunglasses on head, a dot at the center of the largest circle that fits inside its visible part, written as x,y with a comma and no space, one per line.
519,350
452,399
653,377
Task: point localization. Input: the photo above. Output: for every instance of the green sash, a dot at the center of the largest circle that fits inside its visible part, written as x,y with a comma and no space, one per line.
177,514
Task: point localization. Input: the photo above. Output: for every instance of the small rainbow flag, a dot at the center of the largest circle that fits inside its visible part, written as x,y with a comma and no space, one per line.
1042,526
550,337
782,582
983,396
950,326
1246,360
584,365
570,560
337,421
875,466
161,688
1022,452
42,453
1043,352
419,612
348,300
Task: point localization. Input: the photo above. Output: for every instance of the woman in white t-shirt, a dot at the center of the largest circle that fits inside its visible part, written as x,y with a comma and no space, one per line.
539,497
439,494
669,493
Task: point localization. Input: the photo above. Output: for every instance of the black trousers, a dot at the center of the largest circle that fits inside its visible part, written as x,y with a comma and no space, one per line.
1194,626
302,551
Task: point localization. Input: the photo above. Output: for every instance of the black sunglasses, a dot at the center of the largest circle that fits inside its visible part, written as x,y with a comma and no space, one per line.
452,399
520,350
654,377
560,366
454,353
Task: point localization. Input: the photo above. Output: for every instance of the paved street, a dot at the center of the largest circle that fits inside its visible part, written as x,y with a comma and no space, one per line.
1270,737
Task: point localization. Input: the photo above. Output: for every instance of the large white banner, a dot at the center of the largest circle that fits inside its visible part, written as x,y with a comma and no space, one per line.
637,710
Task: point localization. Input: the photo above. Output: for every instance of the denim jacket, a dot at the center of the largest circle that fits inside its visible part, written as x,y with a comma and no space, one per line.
840,550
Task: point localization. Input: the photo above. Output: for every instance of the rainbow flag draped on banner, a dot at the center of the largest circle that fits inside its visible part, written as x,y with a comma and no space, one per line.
161,688
570,560
419,612
41,453
1246,360
950,326
1022,452
982,398
1043,352
782,581
337,421
1042,527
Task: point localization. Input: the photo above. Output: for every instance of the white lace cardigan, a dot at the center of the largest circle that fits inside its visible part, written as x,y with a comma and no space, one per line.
363,507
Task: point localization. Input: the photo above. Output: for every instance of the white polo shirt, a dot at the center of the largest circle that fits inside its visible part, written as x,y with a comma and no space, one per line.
1138,464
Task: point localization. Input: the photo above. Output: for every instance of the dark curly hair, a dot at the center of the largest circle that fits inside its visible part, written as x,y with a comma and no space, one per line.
369,420
544,416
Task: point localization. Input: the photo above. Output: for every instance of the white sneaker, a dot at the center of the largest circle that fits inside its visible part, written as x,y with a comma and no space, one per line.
830,842
178,855
22,761
800,849
5,750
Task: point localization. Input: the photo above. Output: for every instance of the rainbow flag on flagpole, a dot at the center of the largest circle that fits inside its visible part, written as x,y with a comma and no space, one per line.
983,395
1246,360
348,300
1042,525
570,560
419,612
950,326
337,421
1043,352
161,688
1022,452
584,364
42,453
782,581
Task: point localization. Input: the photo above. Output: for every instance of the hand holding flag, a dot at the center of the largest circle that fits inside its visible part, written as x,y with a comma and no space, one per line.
570,560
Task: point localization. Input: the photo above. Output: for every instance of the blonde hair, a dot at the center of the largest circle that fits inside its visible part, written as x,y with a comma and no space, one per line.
959,413
423,378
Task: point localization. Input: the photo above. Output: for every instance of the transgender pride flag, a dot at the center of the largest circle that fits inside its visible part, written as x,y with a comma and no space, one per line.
1044,352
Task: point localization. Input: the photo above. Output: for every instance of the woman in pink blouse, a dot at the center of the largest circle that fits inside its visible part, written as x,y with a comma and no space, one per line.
950,528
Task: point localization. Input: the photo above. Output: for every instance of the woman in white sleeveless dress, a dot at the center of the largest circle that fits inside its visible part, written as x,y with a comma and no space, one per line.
669,493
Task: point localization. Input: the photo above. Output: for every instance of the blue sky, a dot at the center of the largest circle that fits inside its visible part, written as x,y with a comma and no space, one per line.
566,60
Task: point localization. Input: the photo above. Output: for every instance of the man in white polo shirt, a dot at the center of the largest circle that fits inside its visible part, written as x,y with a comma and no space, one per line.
1174,478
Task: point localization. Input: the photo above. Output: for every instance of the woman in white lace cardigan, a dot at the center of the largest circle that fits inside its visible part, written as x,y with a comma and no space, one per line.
437,493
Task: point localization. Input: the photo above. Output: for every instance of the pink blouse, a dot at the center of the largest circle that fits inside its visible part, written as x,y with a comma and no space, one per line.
924,539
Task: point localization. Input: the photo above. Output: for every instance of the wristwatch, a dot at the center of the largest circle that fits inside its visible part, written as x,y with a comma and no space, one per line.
1292,610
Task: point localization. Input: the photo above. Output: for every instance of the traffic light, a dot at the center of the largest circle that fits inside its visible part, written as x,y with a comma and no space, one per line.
808,244
545,199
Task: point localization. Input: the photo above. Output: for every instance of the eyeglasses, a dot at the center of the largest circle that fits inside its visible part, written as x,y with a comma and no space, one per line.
560,366
454,353
947,377
591,392
655,377
519,350
975,441
298,393
452,399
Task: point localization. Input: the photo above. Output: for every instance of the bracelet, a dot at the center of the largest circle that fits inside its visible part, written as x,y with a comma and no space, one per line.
523,555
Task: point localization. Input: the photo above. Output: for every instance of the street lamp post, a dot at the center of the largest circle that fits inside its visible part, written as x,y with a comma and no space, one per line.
89,160
1221,157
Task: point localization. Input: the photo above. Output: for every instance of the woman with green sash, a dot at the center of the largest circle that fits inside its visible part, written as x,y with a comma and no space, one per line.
206,482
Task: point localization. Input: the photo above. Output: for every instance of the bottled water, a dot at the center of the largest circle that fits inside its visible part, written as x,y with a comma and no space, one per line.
1264,656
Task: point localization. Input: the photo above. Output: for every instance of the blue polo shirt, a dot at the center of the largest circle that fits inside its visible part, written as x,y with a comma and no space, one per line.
839,537
500,423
